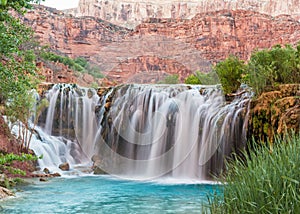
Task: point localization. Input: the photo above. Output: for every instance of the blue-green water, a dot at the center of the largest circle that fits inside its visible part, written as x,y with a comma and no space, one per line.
104,194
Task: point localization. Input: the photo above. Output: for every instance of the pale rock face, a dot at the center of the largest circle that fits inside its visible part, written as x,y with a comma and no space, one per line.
130,13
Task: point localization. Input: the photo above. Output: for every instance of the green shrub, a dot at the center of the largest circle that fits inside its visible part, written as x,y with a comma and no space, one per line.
7,159
268,68
198,78
81,61
171,79
266,180
230,72
193,80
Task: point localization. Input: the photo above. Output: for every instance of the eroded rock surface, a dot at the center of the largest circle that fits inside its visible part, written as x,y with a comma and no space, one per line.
130,13
276,112
162,46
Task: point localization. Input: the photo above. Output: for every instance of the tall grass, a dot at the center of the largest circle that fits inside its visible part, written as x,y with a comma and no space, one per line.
267,180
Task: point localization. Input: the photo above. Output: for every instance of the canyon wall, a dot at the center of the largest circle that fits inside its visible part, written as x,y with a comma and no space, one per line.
161,46
130,13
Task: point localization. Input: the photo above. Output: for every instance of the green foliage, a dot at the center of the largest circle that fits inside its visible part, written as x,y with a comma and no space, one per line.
78,64
7,159
192,79
17,64
230,72
268,68
200,78
17,5
62,59
17,69
81,61
5,166
171,79
266,180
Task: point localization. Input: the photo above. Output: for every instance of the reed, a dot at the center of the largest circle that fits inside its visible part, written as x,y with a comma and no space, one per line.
265,180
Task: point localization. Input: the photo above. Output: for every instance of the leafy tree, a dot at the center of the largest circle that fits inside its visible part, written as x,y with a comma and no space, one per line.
230,72
17,5
17,67
268,68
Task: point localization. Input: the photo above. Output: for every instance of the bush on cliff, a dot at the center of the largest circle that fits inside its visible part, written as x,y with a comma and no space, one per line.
265,70
230,72
269,68
266,180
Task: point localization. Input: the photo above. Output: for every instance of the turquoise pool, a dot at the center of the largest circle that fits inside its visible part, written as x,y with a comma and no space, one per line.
105,194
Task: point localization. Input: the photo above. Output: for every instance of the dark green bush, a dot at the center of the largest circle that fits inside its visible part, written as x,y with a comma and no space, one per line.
230,72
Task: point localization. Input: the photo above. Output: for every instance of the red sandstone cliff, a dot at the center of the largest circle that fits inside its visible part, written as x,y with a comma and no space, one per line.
162,46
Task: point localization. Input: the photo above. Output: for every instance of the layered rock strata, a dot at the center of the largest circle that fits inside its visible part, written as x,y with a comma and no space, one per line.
158,46
130,13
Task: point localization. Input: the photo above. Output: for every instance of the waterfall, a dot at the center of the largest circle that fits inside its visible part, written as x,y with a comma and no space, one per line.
146,131
67,127
180,131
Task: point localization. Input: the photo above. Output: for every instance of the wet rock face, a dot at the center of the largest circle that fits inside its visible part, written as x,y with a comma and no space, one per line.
130,13
276,112
162,46
97,165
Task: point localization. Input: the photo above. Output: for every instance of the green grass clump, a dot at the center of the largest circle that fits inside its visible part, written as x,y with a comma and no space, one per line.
267,180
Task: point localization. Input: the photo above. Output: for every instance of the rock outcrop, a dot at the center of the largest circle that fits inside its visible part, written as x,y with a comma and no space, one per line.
130,13
4,193
159,46
56,72
72,36
275,112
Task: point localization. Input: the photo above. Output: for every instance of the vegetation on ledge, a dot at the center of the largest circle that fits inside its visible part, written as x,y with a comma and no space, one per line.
265,70
79,64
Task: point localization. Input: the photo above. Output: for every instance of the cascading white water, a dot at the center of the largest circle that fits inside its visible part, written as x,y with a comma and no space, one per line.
143,131
181,131
67,127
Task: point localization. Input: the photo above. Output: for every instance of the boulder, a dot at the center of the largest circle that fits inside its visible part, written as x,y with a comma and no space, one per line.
97,168
46,171
64,166
56,174
5,193
43,179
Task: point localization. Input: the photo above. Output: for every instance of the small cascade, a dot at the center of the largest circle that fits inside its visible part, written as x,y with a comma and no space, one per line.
67,127
143,131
